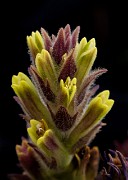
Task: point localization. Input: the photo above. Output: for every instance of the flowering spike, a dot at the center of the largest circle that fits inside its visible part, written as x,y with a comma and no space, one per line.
62,112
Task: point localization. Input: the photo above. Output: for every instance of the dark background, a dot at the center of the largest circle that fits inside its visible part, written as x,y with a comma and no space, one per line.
104,21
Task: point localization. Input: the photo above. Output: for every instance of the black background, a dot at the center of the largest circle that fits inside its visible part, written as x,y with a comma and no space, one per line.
106,21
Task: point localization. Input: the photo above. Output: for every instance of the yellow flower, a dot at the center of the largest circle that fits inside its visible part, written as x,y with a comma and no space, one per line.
28,97
97,109
68,90
35,43
36,129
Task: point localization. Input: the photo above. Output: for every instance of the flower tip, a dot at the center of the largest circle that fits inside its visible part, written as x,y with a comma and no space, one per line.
14,79
110,103
93,42
104,95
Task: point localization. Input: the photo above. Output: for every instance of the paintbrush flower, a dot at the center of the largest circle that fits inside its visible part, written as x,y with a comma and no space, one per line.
61,106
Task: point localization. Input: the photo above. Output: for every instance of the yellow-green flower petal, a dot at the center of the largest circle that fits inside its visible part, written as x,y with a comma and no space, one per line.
36,129
21,77
52,146
46,69
96,111
85,63
81,46
68,90
26,92
35,43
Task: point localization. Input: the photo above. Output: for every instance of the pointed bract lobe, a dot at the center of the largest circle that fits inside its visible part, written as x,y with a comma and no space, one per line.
69,67
88,83
43,87
75,36
62,119
67,31
47,39
59,46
